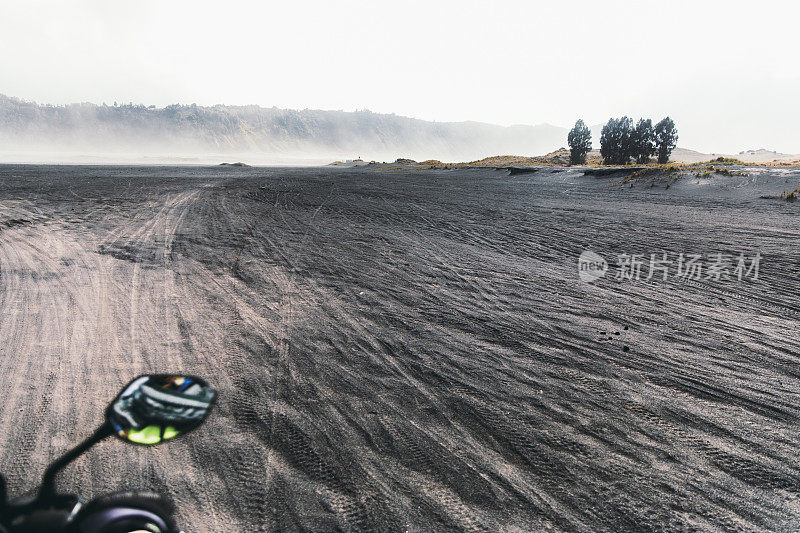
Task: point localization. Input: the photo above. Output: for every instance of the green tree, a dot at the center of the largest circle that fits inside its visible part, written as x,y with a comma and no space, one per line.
643,141
666,138
580,142
607,141
615,141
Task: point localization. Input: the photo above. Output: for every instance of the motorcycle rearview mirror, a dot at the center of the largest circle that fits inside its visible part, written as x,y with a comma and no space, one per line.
157,408
149,410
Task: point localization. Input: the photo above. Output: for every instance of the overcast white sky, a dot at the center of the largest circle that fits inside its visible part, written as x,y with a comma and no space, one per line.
727,72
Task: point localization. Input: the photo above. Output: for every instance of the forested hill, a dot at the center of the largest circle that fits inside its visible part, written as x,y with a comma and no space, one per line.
191,130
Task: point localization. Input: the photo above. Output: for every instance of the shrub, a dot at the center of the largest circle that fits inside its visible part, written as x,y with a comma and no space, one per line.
727,161
790,196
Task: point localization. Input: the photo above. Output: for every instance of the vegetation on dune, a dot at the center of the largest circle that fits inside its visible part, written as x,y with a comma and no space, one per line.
711,169
720,161
726,161
560,157
661,173
669,174
557,158
790,196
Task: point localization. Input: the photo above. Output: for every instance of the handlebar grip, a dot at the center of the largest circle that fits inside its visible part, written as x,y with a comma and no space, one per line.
127,511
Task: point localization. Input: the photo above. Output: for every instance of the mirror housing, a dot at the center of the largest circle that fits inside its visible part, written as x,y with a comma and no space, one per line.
155,408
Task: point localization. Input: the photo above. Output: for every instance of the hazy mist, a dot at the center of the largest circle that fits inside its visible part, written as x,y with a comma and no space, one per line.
724,71
136,133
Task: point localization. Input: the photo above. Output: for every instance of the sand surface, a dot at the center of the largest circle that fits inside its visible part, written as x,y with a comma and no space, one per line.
408,350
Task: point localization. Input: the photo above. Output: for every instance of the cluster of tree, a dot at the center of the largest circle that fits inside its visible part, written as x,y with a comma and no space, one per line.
621,141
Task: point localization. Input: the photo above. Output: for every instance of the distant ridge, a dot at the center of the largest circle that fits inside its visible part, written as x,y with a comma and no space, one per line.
254,133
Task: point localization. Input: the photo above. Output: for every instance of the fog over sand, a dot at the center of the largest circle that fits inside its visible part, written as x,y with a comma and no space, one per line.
409,351
190,133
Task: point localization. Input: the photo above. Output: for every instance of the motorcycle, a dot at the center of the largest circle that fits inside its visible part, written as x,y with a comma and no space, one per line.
150,410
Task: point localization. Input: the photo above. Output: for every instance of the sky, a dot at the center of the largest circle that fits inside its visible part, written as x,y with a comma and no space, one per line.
728,72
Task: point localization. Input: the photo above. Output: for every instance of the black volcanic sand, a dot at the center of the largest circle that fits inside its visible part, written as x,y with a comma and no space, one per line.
408,350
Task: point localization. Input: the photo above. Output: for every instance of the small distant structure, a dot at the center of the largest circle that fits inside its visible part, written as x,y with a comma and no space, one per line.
350,163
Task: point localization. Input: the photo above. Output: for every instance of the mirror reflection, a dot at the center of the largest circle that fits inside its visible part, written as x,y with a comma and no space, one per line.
153,409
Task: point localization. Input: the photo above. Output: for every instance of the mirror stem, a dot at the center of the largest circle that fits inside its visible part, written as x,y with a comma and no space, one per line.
48,487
